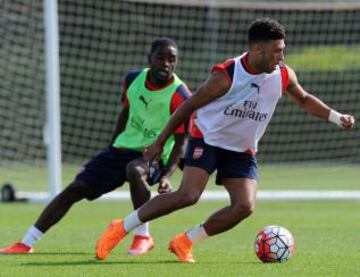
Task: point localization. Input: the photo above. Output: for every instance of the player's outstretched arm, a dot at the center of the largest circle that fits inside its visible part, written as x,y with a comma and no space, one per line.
314,106
215,86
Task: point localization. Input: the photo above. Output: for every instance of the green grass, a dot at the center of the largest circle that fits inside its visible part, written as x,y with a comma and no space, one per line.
295,177
326,235
310,177
326,58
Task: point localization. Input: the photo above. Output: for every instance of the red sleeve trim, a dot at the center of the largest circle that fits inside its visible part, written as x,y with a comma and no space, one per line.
180,96
284,77
227,68
124,99
176,102
194,130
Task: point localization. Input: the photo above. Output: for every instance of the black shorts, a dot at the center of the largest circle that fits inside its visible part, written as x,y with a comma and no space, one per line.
107,170
229,164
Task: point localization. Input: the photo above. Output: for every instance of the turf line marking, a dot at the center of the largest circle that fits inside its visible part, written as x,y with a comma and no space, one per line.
213,195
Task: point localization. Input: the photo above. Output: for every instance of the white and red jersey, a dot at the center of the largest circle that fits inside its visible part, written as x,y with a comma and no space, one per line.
237,120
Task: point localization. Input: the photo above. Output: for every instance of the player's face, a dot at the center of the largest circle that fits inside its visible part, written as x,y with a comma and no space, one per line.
163,62
271,54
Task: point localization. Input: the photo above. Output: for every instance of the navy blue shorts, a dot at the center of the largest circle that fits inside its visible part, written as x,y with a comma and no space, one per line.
107,171
229,164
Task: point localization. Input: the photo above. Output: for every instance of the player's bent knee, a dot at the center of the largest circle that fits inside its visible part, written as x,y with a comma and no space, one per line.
132,174
244,209
188,199
134,171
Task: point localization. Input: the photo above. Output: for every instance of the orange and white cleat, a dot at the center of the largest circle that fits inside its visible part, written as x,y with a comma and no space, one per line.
141,245
113,234
17,248
181,246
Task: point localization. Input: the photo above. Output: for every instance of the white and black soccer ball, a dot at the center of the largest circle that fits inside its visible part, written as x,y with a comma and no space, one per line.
274,244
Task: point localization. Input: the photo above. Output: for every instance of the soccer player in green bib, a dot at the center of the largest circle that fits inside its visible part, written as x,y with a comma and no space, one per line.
149,98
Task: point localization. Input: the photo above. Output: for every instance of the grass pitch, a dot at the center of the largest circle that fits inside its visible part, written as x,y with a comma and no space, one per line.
326,235
294,177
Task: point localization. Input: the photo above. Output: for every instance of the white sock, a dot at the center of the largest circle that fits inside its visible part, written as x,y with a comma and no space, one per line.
32,236
132,221
143,230
197,234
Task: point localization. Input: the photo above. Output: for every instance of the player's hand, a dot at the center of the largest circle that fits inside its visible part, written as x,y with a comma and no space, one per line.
153,152
348,121
164,185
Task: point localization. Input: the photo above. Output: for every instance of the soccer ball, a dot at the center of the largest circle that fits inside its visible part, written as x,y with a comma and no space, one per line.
274,244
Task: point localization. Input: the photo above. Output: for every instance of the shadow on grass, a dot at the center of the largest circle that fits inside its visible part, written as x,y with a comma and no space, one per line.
97,263
57,253
94,262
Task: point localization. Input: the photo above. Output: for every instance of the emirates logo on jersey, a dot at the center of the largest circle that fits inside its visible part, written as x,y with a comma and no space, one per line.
198,152
248,111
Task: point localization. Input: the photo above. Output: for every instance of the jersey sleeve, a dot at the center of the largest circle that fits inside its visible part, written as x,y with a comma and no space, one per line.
284,77
194,129
124,99
227,67
181,94
130,77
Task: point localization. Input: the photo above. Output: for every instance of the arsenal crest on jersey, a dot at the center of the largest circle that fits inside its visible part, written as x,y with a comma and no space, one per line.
198,151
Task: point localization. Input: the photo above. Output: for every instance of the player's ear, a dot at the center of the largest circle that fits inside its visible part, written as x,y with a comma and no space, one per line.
257,47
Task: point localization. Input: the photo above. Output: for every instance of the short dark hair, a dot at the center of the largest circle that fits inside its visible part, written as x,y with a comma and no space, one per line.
265,29
162,42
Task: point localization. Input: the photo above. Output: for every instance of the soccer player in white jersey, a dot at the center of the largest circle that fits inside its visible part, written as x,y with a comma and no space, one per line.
233,107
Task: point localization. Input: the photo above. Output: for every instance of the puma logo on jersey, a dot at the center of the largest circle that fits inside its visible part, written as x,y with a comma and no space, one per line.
253,85
142,99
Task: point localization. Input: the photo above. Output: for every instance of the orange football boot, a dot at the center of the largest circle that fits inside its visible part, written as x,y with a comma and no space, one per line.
113,234
181,246
141,245
17,248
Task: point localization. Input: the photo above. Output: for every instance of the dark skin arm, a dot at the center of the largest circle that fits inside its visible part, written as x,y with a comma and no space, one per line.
121,123
176,153
214,87
311,104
